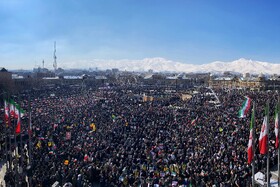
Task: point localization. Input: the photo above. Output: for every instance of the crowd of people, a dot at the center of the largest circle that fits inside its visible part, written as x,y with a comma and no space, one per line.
110,137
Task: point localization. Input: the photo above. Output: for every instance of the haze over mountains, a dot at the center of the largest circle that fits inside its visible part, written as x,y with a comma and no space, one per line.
163,65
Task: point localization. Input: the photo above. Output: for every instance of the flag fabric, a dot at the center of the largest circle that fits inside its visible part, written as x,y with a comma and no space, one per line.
18,111
245,108
6,104
18,127
276,126
15,109
193,122
264,135
86,158
12,109
250,143
51,152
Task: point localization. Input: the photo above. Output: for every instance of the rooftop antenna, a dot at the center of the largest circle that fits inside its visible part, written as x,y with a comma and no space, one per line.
54,58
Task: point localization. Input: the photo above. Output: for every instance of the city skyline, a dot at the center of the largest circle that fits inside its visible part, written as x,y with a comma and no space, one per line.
191,32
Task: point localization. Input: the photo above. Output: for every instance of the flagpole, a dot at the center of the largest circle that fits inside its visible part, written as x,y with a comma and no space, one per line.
253,147
6,146
16,155
30,132
29,143
277,110
267,147
21,149
10,139
6,132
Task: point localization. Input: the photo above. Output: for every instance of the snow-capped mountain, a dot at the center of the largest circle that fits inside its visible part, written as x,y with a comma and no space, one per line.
163,65
243,66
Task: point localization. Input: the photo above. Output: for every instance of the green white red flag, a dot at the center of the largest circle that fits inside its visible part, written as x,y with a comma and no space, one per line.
18,127
245,108
264,134
7,115
12,109
250,143
193,122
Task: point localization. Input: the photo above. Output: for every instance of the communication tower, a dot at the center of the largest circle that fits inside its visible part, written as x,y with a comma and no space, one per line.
54,58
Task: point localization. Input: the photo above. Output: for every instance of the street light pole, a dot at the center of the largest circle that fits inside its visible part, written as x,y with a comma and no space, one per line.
6,131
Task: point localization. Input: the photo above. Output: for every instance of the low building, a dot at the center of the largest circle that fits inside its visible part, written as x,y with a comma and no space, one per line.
258,83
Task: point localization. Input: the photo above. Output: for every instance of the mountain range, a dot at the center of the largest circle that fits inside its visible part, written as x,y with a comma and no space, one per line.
163,65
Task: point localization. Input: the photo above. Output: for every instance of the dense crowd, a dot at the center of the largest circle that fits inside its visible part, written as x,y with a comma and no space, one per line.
111,138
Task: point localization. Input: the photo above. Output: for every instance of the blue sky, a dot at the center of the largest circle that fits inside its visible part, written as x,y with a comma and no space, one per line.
187,31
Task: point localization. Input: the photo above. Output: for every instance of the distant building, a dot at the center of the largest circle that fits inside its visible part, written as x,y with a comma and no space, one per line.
42,72
246,82
6,81
180,81
246,75
115,70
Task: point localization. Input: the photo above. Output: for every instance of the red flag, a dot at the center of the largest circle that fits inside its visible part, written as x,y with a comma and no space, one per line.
85,158
18,128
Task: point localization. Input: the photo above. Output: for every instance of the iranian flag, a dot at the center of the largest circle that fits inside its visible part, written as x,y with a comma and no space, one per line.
245,108
15,109
18,111
18,127
12,109
6,111
193,122
276,126
250,143
264,134
18,114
